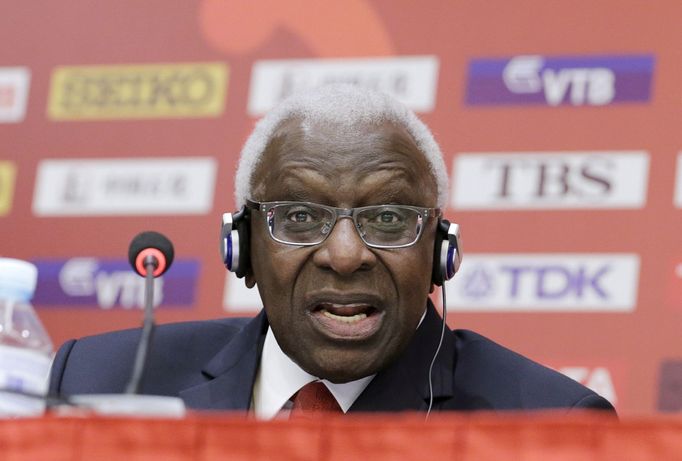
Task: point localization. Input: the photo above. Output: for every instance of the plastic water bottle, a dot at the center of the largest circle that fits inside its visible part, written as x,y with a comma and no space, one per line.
25,347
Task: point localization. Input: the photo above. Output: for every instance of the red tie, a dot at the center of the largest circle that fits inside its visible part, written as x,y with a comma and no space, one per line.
313,398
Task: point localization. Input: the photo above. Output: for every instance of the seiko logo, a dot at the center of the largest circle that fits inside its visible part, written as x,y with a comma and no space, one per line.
125,186
533,180
108,284
577,81
547,282
410,79
150,91
14,83
7,177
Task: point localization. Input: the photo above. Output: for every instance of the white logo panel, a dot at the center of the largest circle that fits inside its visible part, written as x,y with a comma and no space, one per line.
550,180
410,79
148,186
14,83
558,282
238,298
677,200
599,379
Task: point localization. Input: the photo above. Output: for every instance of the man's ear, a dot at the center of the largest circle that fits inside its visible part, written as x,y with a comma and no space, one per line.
249,279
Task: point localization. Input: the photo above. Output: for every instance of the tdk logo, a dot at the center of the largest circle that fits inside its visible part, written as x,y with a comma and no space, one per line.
546,282
108,284
554,81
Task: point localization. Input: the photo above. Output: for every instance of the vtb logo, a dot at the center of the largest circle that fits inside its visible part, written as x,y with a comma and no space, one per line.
577,85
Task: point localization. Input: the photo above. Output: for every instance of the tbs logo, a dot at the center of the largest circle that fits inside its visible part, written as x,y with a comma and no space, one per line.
546,282
550,180
554,81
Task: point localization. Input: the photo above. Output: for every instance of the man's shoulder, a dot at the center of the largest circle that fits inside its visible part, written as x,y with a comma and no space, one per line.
508,379
201,330
102,363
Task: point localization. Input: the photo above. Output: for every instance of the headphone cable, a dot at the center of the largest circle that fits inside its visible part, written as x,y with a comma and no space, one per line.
433,361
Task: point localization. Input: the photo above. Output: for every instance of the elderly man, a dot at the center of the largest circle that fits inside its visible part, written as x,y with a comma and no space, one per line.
340,193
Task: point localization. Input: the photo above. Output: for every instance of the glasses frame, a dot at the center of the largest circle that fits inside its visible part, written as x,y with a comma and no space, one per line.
340,213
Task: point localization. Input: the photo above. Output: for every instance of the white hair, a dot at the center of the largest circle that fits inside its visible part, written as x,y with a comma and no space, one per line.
341,105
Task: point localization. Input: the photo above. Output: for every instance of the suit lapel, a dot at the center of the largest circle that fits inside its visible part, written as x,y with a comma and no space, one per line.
404,385
230,374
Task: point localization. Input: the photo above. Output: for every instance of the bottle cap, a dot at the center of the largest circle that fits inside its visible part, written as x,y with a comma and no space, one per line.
17,279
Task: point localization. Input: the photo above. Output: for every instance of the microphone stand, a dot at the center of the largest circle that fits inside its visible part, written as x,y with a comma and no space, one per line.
148,325
132,403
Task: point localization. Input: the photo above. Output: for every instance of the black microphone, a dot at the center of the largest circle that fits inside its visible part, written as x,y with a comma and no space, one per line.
150,243
150,254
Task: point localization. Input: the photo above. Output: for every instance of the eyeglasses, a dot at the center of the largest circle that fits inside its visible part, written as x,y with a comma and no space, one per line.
379,226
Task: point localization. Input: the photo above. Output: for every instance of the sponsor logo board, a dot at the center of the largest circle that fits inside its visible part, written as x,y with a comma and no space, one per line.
677,200
601,379
670,386
138,91
14,84
149,186
550,180
8,173
108,284
674,288
238,298
555,81
558,282
410,79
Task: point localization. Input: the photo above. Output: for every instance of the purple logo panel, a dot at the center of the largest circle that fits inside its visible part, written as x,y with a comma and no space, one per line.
108,284
555,81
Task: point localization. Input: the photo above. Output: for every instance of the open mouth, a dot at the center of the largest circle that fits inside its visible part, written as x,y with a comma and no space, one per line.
346,313
347,321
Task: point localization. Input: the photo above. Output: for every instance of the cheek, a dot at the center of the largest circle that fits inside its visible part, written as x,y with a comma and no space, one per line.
276,269
411,273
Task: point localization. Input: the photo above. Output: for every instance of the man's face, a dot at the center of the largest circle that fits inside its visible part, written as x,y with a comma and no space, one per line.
340,309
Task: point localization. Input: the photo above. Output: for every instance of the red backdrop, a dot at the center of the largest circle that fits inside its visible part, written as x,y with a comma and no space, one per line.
120,116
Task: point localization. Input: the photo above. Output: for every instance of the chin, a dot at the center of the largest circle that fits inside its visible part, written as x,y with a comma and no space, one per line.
341,376
342,372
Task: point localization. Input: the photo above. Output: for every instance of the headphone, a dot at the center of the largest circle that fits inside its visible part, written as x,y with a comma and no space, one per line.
234,246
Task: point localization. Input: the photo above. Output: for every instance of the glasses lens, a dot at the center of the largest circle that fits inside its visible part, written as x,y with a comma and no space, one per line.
299,222
389,225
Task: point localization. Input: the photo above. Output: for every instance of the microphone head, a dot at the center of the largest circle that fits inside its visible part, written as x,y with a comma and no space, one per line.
154,244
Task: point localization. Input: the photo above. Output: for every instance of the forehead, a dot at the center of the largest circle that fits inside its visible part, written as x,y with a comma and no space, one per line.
351,164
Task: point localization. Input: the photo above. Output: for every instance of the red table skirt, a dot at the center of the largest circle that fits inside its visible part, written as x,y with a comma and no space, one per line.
365,438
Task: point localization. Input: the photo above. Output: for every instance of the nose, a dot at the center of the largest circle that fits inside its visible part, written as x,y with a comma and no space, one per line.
343,251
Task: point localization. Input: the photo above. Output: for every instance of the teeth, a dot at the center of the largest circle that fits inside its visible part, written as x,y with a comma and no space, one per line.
345,318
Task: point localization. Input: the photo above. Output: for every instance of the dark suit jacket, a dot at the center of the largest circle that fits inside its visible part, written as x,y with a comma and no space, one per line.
213,364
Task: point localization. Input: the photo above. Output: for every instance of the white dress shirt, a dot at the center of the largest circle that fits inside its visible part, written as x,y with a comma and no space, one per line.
279,378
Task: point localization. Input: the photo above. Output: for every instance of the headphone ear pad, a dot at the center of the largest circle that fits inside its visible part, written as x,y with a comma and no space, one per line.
440,240
234,242
446,253
243,229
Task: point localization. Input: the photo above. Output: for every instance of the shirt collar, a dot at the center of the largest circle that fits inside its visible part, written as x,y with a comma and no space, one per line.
279,377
